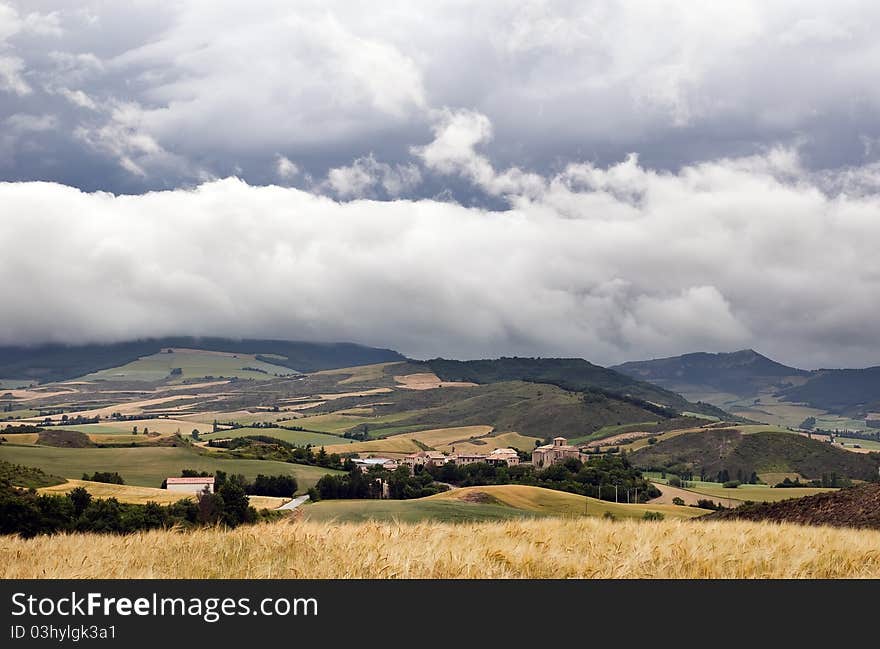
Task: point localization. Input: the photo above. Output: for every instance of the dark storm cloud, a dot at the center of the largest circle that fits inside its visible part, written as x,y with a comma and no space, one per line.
175,94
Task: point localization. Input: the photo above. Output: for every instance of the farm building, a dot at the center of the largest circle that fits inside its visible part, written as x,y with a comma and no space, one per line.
364,464
506,456
425,458
558,451
190,485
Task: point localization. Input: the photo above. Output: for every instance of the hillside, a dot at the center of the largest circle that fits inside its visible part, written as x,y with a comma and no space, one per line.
573,374
711,451
584,547
850,391
744,373
45,363
854,507
532,409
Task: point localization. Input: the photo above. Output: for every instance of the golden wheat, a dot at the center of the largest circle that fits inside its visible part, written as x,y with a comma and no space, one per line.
543,548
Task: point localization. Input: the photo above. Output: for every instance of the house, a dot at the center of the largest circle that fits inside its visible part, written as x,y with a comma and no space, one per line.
499,456
425,458
506,456
558,451
467,458
190,485
365,464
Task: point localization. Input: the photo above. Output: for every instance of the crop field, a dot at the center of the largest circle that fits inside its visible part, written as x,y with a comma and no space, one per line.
148,466
361,374
396,444
868,444
487,444
193,364
142,495
586,547
337,423
744,492
298,437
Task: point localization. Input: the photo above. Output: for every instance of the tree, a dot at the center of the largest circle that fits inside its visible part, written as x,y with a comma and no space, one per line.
134,430
80,499
678,501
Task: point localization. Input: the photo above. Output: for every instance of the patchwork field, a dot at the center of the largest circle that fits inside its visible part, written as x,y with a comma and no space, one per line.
148,466
586,547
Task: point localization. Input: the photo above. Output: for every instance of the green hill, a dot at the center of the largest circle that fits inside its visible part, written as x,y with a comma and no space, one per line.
708,452
744,373
573,374
852,391
532,409
45,363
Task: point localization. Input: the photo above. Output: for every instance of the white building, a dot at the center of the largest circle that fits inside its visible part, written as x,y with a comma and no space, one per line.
364,464
190,485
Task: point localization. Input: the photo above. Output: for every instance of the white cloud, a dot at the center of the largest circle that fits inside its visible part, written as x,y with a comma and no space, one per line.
24,123
11,79
605,263
285,168
365,176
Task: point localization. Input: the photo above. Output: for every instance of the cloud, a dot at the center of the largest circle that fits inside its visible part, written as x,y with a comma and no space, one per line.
329,82
285,168
608,263
366,176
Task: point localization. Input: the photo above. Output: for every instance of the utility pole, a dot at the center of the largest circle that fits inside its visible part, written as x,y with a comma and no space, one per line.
615,493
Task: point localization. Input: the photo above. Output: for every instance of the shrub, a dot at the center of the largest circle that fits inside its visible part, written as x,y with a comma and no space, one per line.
731,484
653,516
674,481
678,501
104,476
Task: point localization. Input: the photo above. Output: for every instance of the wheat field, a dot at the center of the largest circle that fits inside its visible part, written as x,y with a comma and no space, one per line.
545,548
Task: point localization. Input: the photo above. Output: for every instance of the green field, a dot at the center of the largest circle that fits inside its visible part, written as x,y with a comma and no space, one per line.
869,444
754,492
298,437
494,502
147,467
336,423
193,364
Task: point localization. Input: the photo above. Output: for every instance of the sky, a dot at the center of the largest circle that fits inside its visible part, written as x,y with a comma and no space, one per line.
606,180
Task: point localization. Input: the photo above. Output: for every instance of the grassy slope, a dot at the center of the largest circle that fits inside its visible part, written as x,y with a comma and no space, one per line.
193,364
27,476
298,437
493,502
568,373
532,409
585,547
148,466
761,452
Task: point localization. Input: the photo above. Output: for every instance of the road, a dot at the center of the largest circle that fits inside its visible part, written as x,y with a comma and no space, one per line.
296,502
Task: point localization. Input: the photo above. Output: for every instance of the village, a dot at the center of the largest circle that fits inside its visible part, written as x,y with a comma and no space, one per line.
542,456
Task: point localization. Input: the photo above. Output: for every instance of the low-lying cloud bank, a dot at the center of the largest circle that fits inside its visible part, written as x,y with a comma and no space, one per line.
605,263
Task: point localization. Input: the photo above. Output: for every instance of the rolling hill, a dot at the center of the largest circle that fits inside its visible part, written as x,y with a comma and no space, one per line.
573,374
848,391
711,451
744,373
45,363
